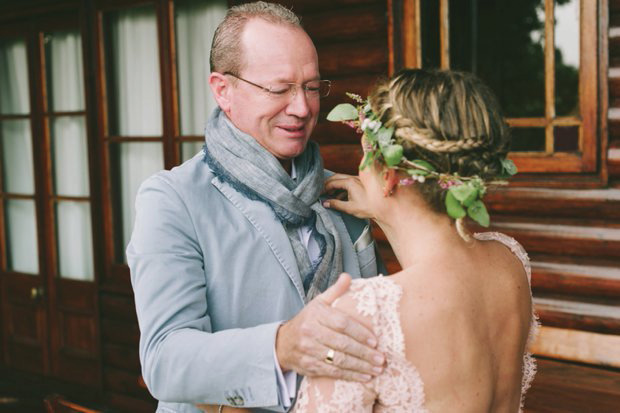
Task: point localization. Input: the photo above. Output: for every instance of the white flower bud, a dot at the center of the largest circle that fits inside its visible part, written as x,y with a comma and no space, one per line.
365,124
421,179
375,125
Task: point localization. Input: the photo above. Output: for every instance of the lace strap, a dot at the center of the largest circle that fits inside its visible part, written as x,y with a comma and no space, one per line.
516,248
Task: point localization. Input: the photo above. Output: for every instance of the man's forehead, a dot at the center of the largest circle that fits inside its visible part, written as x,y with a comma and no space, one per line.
266,43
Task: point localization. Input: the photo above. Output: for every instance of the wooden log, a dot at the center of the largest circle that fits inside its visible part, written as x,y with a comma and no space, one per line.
347,58
581,346
342,158
582,203
613,128
303,7
575,315
355,23
566,387
576,279
614,51
563,238
613,159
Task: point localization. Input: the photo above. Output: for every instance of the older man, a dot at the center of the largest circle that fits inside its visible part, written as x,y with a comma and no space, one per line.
234,242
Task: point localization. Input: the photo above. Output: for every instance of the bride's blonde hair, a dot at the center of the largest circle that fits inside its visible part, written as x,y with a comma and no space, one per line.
447,118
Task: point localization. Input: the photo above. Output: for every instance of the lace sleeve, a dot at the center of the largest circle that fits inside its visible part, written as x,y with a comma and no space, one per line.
325,395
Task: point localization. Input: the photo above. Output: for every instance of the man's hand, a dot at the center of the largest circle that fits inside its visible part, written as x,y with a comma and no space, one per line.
356,203
303,342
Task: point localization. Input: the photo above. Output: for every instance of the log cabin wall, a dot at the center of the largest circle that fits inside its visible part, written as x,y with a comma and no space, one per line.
613,152
572,235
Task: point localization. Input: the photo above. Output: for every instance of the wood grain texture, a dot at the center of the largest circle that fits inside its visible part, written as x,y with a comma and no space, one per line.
585,347
554,312
562,387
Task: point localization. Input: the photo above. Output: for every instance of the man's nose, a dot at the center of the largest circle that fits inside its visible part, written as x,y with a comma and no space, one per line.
298,104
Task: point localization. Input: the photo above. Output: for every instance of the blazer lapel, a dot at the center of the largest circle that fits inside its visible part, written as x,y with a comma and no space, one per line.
261,216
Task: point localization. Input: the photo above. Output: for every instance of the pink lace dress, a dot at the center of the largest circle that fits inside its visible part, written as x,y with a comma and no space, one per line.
399,388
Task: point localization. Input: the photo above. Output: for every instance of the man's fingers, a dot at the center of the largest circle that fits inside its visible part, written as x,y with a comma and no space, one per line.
338,289
346,361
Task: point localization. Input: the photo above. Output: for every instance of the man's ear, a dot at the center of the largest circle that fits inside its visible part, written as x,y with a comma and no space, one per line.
221,89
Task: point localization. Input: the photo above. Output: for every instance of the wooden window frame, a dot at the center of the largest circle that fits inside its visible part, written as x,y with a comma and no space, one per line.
117,274
585,169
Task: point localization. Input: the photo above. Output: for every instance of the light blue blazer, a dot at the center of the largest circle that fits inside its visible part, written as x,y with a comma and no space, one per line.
214,275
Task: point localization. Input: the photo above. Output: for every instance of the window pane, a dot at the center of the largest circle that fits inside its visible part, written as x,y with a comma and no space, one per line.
13,78
21,236
503,43
189,149
566,138
70,156
132,73
567,58
17,156
528,140
195,23
75,244
429,21
133,163
65,80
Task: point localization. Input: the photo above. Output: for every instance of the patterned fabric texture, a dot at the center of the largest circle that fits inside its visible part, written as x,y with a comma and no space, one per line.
399,388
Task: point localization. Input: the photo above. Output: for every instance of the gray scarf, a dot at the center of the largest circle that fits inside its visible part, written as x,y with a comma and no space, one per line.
238,159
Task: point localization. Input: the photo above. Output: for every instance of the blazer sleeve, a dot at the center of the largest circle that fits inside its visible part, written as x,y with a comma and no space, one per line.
182,359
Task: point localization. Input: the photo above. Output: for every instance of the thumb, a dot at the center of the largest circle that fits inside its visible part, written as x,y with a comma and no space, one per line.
338,289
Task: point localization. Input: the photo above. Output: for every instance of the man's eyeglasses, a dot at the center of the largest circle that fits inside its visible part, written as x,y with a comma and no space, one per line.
313,89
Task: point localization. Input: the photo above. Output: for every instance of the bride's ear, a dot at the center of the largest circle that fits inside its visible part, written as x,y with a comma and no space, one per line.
390,176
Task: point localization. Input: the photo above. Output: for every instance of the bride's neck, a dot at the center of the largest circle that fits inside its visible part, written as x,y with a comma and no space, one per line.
416,232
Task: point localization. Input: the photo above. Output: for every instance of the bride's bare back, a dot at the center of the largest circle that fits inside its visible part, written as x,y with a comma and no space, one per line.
454,332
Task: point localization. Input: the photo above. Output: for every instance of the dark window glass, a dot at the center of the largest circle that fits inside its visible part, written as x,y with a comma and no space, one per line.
429,20
566,138
528,140
502,41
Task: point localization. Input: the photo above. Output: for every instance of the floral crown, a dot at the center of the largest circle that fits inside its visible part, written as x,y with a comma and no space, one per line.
464,193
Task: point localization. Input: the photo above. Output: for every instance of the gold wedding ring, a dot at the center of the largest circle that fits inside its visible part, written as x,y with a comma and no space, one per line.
329,359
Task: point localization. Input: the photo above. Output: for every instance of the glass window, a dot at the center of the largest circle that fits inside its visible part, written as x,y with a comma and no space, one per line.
189,149
17,161
14,99
65,79
503,43
567,58
70,156
195,24
133,162
132,73
21,234
74,237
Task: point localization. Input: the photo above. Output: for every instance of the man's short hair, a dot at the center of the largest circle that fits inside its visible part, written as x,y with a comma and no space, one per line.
226,49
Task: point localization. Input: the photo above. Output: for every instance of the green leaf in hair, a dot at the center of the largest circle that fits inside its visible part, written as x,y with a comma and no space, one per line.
478,212
343,112
453,207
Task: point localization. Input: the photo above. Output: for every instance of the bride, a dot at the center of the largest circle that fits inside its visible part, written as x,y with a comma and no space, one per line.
455,323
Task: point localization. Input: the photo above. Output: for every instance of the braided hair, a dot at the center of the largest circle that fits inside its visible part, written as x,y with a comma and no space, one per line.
450,119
